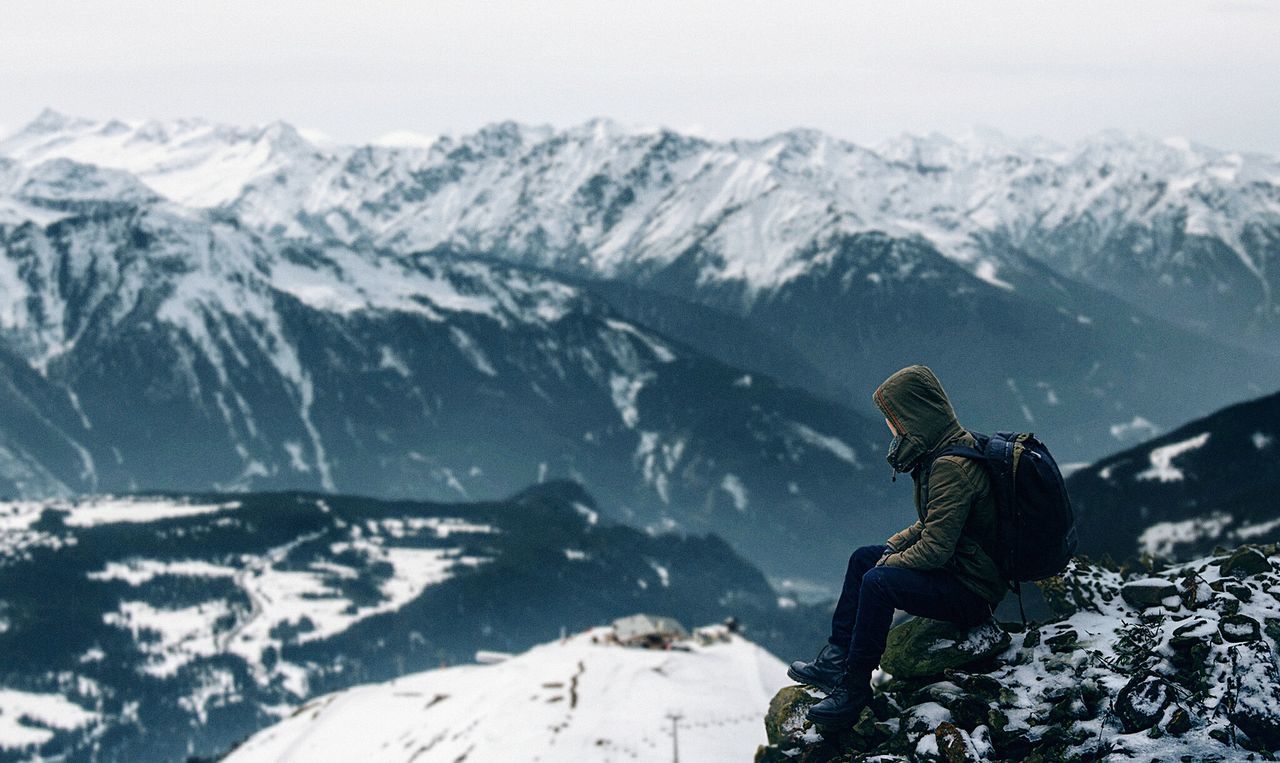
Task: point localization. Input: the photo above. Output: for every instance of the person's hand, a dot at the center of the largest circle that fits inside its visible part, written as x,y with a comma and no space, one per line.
883,556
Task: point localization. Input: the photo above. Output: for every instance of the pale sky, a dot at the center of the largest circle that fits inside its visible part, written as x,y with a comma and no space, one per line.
1209,71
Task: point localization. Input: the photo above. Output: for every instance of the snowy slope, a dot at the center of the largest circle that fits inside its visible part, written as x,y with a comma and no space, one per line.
573,700
1211,481
160,627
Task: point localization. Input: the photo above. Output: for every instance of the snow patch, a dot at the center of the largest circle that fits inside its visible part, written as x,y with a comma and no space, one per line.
1162,459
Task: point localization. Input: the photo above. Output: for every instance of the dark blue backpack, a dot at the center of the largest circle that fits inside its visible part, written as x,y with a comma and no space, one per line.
1035,533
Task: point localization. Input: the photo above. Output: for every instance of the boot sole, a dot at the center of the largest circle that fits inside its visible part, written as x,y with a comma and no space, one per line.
794,676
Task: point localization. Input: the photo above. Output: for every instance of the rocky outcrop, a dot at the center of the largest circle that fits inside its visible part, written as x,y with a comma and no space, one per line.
1148,663
924,647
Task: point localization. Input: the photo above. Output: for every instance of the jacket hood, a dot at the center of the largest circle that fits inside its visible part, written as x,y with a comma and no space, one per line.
914,401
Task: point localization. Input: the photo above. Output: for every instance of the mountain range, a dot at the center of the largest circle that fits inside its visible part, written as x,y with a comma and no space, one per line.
1131,278
149,346
689,328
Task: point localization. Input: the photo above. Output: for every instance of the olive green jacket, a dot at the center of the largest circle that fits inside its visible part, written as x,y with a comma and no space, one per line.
960,513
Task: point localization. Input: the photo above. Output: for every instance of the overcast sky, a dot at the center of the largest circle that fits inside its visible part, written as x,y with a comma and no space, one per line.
1208,70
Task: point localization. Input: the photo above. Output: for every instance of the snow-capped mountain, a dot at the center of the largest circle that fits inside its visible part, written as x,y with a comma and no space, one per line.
1124,269
582,698
161,627
1213,481
151,346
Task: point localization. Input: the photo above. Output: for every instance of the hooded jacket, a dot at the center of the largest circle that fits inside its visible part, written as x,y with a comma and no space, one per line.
960,513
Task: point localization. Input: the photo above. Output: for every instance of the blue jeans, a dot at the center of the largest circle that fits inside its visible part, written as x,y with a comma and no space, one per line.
865,609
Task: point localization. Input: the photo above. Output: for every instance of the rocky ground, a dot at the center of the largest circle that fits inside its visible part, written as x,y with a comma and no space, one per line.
1142,662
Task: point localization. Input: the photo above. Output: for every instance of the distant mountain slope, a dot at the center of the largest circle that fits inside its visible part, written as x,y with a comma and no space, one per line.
578,699
153,628
1125,271
1215,480
148,346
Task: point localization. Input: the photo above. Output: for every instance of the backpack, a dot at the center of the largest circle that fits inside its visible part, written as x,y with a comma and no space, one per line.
1035,532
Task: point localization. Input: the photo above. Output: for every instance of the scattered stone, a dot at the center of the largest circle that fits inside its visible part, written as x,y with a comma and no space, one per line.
954,745
1063,642
1256,709
1246,561
924,647
1271,627
1031,639
1239,628
987,687
968,712
1179,722
1142,701
1240,591
1147,592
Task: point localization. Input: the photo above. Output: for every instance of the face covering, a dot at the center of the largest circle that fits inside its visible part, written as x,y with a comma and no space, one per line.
892,455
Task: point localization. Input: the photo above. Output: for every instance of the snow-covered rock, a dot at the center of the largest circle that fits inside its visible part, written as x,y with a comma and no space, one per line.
1188,679
583,698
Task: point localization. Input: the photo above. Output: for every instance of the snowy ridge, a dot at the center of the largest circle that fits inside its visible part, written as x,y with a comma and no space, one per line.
1210,482
577,699
203,619
609,200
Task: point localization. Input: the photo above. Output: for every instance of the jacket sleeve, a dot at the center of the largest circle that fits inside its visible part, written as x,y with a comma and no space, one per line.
950,496
905,537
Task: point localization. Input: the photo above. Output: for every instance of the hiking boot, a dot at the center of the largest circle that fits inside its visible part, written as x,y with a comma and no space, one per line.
825,670
843,705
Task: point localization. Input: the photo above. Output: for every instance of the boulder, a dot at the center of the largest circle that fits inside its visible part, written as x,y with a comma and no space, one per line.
1239,628
1245,561
923,647
786,717
1147,592
954,745
1064,641
1142,701
1179,722
1256,709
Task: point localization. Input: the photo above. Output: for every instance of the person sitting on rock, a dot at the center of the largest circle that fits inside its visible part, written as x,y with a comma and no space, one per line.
935,568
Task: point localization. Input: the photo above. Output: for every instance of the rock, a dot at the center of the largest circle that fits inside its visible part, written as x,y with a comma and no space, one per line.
1062,642
984,685
924,647
1147,592
1142,701
1032,638
1239,628
786,717
1246,561
1179,722
1240,591
1271,627
969,711
954,745
1256,708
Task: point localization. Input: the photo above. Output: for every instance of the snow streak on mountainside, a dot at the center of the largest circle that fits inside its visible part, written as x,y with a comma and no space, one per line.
583,698
158,627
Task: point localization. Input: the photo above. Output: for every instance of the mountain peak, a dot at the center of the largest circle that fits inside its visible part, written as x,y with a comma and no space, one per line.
50,120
